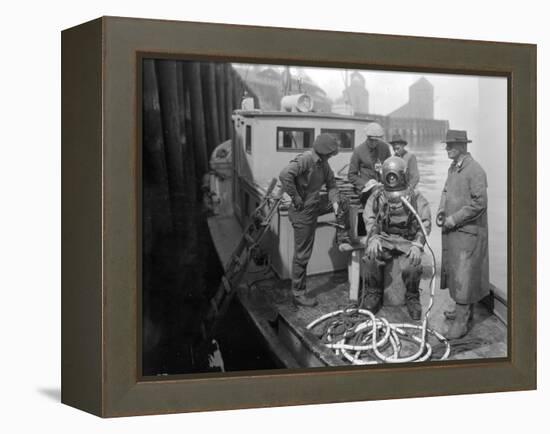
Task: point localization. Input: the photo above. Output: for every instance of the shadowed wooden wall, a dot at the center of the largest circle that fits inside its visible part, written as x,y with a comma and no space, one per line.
187,109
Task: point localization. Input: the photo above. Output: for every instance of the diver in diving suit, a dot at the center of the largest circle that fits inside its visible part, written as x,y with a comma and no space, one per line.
394,233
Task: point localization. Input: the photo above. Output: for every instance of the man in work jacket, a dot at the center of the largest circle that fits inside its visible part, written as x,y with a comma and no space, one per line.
302,180
462,215
366,161
394,234
398,144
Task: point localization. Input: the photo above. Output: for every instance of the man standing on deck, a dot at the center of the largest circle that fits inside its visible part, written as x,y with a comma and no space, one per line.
302,180
395,234
462,215
398,144
366,161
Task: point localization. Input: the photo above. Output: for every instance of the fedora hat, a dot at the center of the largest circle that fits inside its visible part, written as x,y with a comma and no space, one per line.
456,136
396,138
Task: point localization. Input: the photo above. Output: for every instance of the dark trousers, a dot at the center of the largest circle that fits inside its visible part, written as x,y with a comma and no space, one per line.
374,272
304,223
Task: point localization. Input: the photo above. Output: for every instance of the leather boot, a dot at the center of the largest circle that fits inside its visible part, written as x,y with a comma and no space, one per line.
304,300
372,300
412,301
462,322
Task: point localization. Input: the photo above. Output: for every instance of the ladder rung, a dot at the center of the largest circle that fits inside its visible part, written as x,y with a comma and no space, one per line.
226,284
214,306
241,256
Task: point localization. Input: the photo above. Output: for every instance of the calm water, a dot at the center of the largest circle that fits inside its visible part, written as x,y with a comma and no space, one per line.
433,164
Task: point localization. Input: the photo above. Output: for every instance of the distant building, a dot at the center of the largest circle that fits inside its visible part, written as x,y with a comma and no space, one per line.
415,120
355,95
420,104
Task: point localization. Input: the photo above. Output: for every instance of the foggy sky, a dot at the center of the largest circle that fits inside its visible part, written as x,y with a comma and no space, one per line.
456,96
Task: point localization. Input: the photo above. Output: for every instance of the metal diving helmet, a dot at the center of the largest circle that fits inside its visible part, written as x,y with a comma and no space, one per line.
394,174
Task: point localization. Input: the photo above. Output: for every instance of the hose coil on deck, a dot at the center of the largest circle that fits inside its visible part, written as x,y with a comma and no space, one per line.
360,338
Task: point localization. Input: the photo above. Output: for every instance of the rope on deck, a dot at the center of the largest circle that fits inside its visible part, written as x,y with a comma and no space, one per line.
361,338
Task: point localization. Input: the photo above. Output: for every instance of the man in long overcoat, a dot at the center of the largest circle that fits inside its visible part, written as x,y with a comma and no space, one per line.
462,215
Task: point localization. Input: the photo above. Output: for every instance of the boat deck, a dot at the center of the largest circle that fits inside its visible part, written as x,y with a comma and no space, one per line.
268,302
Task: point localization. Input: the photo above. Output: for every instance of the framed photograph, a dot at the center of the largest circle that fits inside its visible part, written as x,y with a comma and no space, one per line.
259,217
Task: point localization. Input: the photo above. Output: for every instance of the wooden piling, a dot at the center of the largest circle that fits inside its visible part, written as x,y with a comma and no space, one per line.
212,116
154,172
220,87
229,104
193,83
168,96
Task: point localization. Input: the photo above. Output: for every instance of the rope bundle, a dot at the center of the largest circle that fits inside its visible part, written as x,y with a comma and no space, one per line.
360,338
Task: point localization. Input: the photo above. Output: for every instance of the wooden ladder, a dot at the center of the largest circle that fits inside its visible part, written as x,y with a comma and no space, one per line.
238,263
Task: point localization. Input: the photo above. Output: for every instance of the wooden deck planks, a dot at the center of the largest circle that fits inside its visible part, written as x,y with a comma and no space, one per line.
271,297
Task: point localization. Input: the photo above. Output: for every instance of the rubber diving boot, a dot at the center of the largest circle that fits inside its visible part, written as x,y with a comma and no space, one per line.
412,301
372,300
462,323
304,300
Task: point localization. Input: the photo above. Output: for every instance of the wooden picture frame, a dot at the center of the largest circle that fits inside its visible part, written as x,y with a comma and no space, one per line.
100,232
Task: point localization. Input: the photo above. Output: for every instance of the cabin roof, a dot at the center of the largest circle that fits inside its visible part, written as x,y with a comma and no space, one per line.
299,115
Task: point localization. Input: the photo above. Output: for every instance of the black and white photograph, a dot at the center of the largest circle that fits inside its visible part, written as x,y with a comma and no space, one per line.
298,217
280,217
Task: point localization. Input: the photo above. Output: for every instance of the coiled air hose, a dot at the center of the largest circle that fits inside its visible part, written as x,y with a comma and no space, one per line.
360,338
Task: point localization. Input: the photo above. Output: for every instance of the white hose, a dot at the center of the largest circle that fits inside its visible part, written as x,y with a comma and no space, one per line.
373,343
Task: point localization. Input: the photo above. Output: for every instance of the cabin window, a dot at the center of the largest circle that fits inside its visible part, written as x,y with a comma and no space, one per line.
248,139
294,139
345,138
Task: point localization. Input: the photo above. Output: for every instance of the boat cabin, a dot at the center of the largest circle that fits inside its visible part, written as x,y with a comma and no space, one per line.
264,143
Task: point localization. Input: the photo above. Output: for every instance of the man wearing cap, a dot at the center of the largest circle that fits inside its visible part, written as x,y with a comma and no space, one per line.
398,144
462,216
302,180
366,161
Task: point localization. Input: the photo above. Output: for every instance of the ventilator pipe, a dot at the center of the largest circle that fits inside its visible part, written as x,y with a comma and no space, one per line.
432,279
390,332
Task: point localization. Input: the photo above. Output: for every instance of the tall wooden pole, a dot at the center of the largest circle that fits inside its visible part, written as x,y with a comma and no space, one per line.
168,93
210,93
155,180
220,82
229,105
193,84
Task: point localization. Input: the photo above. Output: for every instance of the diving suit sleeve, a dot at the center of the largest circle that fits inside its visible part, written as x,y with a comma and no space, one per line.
369,218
